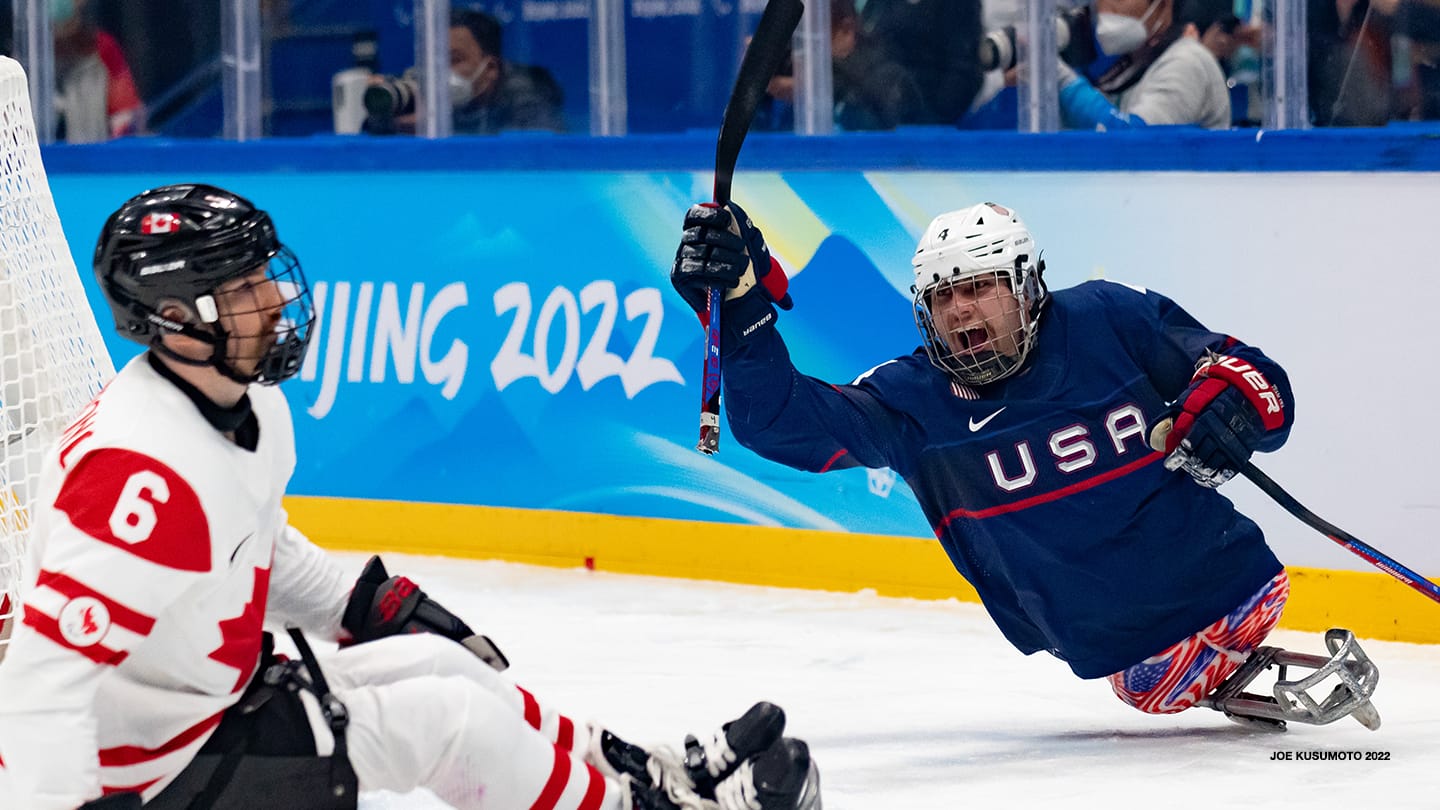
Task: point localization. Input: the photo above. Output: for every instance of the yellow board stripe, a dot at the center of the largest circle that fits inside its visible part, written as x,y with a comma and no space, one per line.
1374,605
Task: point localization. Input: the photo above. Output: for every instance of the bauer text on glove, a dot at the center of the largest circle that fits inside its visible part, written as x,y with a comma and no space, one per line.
1214,426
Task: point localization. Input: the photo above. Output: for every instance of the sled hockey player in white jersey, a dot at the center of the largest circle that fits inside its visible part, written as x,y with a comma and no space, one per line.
141,671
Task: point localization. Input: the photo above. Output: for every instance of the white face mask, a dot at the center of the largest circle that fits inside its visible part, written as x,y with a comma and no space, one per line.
462,88
1119,34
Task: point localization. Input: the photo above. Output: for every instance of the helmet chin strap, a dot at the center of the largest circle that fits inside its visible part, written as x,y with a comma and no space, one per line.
217,339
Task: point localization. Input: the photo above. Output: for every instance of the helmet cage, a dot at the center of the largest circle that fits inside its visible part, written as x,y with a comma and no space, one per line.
985,240
292,331
987,365
297,319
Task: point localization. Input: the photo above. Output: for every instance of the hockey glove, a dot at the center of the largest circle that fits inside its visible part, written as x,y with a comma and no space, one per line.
1212,429
382,605
721,247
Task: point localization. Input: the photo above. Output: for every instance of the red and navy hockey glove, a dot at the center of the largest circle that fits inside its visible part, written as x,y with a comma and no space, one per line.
721,247
382,605
1212,429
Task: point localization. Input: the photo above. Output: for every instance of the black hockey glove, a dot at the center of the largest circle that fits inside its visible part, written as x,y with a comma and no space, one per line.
382,605
1212,429
115,801
721,247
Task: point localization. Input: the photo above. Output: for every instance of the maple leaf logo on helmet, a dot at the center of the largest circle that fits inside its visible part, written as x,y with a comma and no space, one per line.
159,223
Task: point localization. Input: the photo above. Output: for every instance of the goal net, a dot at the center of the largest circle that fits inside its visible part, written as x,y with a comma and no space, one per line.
52,358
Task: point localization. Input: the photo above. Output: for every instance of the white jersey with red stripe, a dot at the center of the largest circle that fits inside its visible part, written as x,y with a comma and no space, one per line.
159,549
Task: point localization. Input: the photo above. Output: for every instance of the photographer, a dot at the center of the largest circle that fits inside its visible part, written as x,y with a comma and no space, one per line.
488,93
1147,57
1163,74
1074,36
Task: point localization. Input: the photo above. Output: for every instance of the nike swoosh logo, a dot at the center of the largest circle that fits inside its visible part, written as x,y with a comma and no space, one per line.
974,426
237,548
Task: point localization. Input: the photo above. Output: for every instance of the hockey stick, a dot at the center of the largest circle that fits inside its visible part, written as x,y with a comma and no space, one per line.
762,58
1366,552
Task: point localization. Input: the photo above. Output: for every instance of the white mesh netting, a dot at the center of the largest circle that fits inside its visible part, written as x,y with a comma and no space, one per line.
52,358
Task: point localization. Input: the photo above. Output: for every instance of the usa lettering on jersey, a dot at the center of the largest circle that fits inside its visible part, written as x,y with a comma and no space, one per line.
1072,448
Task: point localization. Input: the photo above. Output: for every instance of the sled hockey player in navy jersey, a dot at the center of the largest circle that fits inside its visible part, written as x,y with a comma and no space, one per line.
1024,425
140,671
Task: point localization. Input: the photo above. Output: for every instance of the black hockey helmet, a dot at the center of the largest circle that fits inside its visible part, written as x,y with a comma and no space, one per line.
179,243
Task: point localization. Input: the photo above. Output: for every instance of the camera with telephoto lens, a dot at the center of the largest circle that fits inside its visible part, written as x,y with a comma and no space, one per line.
391,97
1073,38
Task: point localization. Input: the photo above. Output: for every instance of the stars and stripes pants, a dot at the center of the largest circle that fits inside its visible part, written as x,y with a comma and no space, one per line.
1183,674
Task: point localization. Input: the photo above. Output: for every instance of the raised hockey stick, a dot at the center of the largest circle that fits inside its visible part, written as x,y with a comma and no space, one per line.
762,58
1365,551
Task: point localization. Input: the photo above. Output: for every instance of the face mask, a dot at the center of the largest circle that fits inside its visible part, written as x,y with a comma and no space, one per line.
1119,34
462,88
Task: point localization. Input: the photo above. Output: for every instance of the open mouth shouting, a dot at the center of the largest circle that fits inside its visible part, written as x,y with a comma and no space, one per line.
969,341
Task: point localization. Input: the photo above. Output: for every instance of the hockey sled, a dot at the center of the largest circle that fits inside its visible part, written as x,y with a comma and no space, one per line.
1351,671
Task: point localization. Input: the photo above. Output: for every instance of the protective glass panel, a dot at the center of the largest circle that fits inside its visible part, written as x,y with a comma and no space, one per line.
349,67
681,60
1373,62
934,43
1127,64
101,91
160,69
1008,96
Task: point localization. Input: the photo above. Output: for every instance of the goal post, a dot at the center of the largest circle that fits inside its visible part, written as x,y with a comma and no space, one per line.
53,360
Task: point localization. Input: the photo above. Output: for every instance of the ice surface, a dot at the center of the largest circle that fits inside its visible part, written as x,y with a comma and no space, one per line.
916,704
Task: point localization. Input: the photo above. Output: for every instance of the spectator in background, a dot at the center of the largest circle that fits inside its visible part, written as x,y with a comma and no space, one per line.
490,94
1354,78
1221,32
1162,73
96,97
1228,37
1420,21
938,42
870,91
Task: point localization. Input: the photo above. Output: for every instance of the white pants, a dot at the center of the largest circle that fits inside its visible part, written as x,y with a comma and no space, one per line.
425,712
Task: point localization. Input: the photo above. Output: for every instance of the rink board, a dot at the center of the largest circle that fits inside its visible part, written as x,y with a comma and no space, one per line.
1374,605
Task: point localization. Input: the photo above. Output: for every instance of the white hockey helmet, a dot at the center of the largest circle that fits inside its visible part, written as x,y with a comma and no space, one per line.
959,246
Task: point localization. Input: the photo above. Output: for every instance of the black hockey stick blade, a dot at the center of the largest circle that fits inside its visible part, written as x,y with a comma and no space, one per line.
762,58
1361,549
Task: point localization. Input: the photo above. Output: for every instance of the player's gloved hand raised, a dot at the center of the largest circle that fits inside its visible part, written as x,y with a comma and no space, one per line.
382,605
1213,428
721,247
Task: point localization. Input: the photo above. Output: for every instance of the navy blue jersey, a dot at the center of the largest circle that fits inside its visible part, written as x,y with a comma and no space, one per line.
1041,487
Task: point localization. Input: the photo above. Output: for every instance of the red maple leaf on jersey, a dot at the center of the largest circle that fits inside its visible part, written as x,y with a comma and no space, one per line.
240,636
87,622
